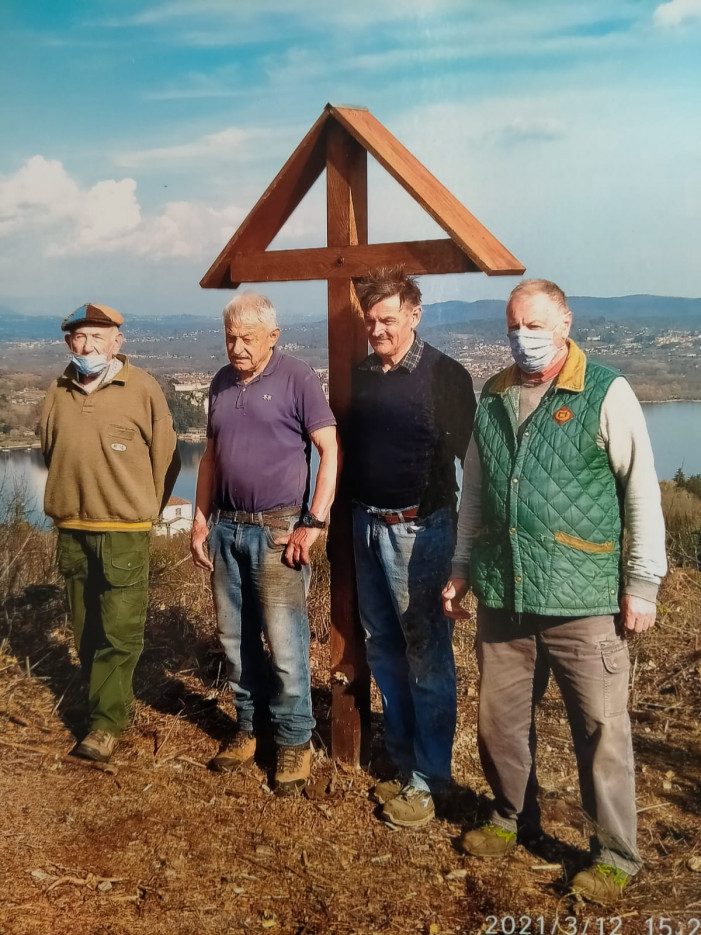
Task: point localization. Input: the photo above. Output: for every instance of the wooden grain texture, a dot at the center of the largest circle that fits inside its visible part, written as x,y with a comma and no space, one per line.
479,244
418,257
274,207
346,189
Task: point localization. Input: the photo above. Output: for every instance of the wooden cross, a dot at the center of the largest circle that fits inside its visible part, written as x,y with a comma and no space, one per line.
339,142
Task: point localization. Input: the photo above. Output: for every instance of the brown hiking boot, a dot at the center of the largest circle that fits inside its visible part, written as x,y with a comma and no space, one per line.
97,746
488,841
386,790
602,884
410,808
292,768
237,752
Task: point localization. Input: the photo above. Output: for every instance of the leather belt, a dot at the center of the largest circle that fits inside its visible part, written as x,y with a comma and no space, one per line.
270,519
391,519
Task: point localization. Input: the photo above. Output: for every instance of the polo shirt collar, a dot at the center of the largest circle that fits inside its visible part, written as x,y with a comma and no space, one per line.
409,362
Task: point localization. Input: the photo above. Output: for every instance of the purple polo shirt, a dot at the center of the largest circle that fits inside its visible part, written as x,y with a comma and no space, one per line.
261,433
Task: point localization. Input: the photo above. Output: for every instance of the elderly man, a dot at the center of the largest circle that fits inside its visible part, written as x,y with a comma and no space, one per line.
109,444
265,410
559,470
411,417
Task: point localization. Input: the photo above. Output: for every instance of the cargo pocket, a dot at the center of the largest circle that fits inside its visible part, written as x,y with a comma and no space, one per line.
616,669
125,559
70,556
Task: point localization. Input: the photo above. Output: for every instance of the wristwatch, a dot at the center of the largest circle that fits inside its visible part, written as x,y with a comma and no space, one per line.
312,522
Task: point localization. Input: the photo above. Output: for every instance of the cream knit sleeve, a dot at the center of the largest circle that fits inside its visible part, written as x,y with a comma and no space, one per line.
624,436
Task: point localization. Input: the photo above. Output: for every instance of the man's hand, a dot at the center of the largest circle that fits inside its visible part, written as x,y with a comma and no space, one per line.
637,614
299,542
198,537
452,594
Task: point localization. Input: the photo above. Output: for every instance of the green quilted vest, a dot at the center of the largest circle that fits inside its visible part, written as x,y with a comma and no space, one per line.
551,542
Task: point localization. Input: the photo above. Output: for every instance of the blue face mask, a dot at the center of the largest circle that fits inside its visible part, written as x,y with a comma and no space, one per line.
89,364
532,349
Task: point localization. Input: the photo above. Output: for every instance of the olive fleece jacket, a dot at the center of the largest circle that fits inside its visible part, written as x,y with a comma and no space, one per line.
112,454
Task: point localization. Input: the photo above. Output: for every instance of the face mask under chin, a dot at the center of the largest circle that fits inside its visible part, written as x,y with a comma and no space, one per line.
89,365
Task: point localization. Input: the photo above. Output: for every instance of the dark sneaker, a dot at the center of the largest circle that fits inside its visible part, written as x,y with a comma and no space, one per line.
237,752
488,841
410,808
602,884
292,769
97,746
386,790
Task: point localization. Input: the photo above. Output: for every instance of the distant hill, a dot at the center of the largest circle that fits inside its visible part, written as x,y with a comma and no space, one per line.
667,311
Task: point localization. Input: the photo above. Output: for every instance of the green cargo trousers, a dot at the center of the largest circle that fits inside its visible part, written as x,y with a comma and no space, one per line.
106,577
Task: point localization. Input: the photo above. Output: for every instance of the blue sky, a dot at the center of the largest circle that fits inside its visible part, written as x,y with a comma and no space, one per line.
137,136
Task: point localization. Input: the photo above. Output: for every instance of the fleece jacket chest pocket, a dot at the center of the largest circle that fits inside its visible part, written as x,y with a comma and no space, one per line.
122,432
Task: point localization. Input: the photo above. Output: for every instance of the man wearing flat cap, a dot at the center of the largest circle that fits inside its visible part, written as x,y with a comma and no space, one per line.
108,441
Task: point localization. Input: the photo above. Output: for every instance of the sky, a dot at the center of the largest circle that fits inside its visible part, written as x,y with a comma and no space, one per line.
137,136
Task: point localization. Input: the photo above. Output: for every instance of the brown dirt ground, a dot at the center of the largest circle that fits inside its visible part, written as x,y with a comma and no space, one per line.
157,843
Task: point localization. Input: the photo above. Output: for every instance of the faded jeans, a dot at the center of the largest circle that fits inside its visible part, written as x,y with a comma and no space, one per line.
257,596
590,664
400,570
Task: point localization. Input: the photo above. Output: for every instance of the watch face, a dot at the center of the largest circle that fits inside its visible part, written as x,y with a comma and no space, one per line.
311,521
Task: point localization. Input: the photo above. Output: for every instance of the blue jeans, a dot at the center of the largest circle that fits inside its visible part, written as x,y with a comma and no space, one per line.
400,570
256,595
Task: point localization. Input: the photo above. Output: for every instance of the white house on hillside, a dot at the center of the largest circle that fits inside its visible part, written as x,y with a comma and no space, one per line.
177,517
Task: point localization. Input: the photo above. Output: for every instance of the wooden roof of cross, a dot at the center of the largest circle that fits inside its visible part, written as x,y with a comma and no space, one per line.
470,247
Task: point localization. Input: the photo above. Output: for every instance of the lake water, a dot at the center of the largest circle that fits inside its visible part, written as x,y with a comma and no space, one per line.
675,431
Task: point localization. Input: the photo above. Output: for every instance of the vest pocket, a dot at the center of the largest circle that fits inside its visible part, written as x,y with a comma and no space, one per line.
583,576
616,662
596,548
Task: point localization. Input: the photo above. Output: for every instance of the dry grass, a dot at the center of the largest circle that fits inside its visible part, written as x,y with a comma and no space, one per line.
157,843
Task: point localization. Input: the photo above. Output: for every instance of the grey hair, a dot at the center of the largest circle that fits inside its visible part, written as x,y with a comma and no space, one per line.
541,287
250,304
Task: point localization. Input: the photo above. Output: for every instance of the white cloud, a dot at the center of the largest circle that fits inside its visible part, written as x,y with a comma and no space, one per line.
43,203
42,196
228,143
677,12
529,130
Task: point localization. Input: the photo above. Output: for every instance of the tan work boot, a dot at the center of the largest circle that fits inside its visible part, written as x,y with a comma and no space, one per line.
410,808
386,790
237,752
97,746
488,841
602,884
292,768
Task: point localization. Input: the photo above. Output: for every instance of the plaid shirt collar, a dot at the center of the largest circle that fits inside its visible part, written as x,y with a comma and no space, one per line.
409,362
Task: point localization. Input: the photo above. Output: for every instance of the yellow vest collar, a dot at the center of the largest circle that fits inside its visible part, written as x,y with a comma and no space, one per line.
571,377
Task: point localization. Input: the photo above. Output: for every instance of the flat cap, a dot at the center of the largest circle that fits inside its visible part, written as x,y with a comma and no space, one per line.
92,314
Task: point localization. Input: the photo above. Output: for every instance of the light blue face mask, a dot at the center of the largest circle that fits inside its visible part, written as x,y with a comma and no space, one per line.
89,364
532,349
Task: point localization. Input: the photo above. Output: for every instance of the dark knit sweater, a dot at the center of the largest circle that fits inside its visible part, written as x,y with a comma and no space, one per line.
405,430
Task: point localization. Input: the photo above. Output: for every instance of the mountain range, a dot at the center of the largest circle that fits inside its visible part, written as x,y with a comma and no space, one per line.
659,311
